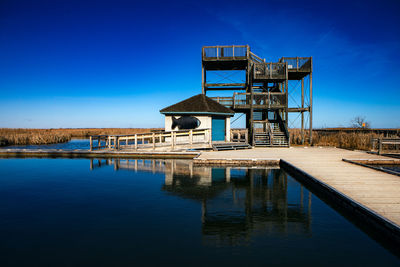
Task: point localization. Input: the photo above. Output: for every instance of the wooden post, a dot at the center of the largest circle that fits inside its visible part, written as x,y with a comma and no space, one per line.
380,146
210,137
154,140
91,144
311,104
116,142
250,88
172,140
135,141
302,111
98,142
191,137
287,101
109,142
160,141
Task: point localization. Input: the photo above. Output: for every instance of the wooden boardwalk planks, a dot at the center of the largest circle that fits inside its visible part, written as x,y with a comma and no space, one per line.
377,191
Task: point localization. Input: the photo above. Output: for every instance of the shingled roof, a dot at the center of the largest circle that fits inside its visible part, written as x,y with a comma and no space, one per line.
198,104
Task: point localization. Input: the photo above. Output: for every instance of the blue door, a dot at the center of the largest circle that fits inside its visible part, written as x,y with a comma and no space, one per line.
218,129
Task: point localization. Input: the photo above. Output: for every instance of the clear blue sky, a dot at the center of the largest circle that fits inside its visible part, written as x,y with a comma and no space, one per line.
117,63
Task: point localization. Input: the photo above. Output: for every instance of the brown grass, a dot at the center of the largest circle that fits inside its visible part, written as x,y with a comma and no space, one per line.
341,139
10,136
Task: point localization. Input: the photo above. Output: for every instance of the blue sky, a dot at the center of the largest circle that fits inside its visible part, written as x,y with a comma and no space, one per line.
117,63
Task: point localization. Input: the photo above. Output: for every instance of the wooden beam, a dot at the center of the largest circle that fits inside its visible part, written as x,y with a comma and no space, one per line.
311,103
302,113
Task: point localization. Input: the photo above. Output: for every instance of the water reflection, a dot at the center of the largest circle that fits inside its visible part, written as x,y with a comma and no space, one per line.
237,204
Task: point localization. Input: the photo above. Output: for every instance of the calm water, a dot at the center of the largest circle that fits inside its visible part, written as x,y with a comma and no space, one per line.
395,168
73,144
64,212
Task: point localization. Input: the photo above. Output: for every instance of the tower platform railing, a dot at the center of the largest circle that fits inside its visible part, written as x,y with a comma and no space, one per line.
297,63
269,71
229,52
260,100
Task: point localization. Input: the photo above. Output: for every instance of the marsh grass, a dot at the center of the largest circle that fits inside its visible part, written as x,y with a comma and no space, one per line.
10,136
341,139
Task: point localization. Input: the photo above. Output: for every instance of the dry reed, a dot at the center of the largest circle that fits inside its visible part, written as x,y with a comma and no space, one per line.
341,139
10,136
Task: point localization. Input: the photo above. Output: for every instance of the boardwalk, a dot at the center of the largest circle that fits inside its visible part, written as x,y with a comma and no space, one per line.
377,191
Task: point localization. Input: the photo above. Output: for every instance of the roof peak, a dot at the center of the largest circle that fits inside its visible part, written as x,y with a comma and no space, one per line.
198,104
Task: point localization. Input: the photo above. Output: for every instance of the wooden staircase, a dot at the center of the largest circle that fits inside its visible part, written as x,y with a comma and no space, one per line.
277,139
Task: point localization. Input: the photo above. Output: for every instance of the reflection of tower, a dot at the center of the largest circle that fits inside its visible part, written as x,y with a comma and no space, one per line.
237,204
260,203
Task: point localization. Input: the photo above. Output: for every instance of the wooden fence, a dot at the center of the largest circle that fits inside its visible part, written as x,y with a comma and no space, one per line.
386,145
152,140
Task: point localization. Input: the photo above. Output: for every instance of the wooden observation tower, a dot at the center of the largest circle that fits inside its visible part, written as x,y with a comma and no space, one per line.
263,93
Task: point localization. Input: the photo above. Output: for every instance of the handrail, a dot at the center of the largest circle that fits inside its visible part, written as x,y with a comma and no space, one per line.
256,58
297,63
152,140
225,52
378,143
282,125
269,70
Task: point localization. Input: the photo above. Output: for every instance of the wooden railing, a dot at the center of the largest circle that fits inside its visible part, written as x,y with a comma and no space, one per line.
270,100
256,58
264,126
297,63
260,100
228,52
269,71
240,135
386,145
151,140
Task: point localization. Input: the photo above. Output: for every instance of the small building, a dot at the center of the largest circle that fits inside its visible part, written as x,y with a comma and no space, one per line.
199,112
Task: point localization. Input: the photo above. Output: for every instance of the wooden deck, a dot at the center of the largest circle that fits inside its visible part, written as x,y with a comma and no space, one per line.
376,191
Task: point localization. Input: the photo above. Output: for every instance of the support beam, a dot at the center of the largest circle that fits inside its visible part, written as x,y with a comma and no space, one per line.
302,113
311,103
203,79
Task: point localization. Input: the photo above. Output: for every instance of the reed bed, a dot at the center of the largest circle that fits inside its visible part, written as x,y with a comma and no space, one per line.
342,139
10,136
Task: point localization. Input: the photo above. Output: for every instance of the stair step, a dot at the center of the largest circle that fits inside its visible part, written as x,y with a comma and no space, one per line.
230,146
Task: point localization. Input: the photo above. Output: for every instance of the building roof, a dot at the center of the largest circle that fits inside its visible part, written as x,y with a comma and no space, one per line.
198,104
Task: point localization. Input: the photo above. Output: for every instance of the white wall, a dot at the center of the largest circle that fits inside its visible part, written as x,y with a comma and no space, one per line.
228,129
205,122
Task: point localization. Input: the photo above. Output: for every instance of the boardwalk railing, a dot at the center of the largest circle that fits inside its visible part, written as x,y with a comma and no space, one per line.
151,140
386,145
